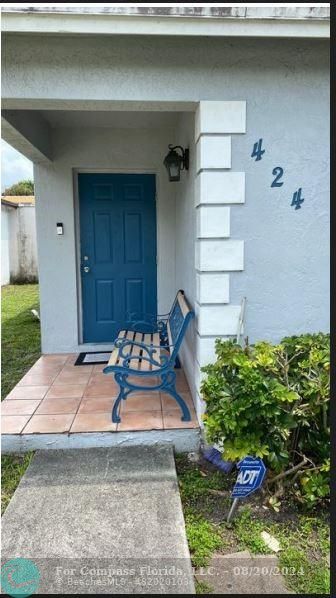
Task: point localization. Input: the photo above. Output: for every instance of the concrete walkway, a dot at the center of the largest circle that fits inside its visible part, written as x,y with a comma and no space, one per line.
101,521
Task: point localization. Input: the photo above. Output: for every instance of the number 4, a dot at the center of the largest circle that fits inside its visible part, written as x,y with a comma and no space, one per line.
297,199
257,152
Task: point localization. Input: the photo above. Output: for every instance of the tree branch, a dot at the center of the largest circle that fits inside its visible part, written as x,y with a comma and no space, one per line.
284,474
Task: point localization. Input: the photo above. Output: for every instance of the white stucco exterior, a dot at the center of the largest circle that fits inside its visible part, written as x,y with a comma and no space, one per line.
113,102
93,150
18,244
5,267
228,21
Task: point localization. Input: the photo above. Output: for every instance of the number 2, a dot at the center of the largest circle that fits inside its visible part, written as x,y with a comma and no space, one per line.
277,172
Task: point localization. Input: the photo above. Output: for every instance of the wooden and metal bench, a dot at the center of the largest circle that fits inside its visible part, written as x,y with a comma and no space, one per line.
142,354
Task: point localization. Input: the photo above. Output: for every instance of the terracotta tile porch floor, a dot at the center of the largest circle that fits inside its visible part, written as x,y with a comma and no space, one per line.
56,396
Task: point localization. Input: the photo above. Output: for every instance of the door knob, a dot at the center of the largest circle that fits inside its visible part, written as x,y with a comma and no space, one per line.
86,269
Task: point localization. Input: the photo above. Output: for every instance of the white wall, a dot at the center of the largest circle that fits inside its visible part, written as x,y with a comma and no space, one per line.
103,69
5,271
217,191
24,246
113,150
285,86
185,241
18,245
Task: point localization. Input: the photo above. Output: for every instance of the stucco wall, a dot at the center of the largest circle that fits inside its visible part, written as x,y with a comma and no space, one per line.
123,150
5,271
285,86
185,241
18,245
106,69
286,253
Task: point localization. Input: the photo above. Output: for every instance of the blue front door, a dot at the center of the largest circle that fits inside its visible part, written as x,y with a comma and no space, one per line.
118,251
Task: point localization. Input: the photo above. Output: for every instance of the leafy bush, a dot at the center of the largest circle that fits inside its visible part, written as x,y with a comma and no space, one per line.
272,401
21,188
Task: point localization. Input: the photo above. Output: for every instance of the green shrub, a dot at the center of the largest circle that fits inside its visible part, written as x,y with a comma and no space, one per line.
272,401
25,187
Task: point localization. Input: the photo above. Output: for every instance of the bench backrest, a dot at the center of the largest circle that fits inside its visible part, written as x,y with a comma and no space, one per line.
178,320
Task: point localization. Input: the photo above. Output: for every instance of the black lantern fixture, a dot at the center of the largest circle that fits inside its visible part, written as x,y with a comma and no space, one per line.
175,162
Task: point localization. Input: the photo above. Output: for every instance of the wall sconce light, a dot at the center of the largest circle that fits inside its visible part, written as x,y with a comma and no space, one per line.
175,162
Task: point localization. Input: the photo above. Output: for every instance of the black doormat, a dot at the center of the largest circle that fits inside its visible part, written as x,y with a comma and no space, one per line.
94,358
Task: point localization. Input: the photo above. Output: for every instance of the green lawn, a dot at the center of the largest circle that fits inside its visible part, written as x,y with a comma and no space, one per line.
12,470
20,350
20,333
303,537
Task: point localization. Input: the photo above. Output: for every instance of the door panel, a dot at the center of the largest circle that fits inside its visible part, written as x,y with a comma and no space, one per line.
134,295
133,226
118,250
105,299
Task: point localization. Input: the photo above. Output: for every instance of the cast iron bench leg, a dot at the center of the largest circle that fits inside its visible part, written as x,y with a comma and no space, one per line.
115,410
123,392
168,336
168,385
184,408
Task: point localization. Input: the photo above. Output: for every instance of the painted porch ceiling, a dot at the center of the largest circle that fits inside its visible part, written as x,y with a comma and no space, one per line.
111,119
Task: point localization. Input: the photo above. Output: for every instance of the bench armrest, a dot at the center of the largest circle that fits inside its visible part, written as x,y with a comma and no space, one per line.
148,352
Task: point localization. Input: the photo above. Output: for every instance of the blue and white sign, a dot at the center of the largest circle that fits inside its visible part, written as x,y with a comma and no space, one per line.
250,478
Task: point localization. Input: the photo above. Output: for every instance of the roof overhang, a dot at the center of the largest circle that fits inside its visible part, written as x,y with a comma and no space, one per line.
8,204
164,19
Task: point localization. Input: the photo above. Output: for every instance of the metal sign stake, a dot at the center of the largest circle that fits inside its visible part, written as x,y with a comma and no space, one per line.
232,509
251,475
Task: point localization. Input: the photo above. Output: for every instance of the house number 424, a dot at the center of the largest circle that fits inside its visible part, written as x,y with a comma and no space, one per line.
277,172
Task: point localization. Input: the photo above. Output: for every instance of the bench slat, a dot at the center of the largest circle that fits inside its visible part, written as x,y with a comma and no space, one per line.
148,339
137,351
130,336
114,355
156,338
156,342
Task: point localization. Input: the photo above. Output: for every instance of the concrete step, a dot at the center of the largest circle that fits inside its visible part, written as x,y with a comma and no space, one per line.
183,440
102,520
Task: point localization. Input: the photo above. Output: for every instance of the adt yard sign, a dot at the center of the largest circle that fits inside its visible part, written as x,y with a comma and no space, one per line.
251,475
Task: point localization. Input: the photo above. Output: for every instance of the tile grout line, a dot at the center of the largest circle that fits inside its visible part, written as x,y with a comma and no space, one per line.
91,400
53,414
81,401
27,422
17,385
79,404
31,415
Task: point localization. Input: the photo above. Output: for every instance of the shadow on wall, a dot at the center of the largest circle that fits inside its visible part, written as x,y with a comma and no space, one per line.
23,278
